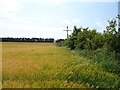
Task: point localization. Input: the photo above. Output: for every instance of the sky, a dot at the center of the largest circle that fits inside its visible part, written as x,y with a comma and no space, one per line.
48,18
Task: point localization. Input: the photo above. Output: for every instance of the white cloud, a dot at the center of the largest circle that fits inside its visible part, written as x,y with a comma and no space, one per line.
67,1
27,27
44,1
100,26
26,30
70,22
90,0
76,20
66,21
56,1
9,9
10,5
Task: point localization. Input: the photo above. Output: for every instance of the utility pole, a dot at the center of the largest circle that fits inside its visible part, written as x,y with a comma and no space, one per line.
67,31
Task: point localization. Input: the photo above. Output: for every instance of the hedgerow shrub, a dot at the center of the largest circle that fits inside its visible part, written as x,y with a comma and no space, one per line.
102,48
103,58
84,38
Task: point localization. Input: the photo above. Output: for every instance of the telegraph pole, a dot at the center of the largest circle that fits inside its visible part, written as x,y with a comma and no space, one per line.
67,31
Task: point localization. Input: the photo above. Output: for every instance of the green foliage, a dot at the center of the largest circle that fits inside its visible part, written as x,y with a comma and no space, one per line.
103,58
62,43
84,38
93,75
102,49
72,40
112,36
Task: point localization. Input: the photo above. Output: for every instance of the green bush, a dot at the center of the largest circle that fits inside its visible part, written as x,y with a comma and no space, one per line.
112,36
84,38
102,48
93,75
61,44
103,58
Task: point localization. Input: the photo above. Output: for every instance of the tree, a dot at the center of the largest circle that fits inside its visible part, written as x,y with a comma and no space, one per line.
112,37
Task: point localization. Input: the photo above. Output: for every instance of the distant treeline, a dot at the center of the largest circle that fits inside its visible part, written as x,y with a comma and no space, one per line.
59,40
49,40
8,39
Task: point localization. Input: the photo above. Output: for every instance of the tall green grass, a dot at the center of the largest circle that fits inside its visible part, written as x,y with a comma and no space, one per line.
103,58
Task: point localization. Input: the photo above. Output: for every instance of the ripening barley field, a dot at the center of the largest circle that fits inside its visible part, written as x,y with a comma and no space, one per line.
44,65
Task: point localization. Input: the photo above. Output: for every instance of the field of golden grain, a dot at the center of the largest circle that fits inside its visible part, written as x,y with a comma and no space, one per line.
44,65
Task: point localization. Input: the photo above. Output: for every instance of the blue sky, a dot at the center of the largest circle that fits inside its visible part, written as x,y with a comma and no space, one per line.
48,18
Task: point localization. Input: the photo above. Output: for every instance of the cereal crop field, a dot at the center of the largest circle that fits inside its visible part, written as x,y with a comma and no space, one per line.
44,65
